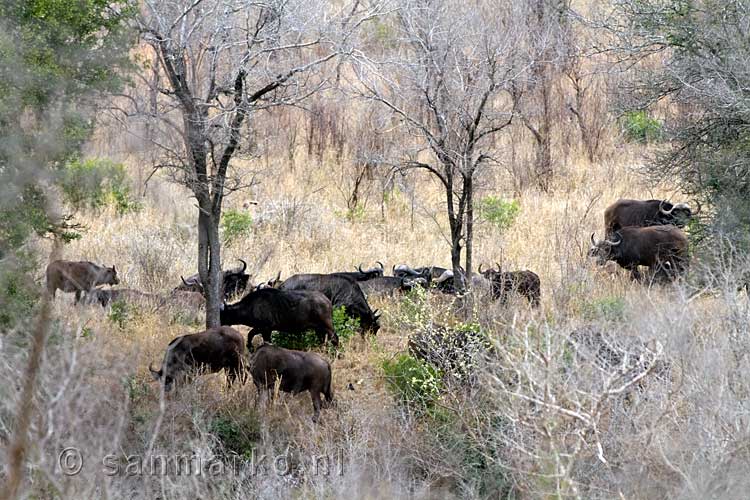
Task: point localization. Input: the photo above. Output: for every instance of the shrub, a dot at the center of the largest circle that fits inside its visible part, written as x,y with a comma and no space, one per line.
413,382
94,183
454,352
18,292
344,326
607,308
119,313
499,212
308,340
237,433
235,224
640,127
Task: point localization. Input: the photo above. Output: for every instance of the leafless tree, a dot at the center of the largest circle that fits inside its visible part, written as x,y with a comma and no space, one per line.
221,61
447,74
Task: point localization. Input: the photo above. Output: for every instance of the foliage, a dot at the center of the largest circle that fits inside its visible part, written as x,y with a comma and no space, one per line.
471,453
300,342
607,308
344,326
237,433
235,224
638,126
18,292
415,383
414,310
119,313
94,183
455,352
499,212
703,73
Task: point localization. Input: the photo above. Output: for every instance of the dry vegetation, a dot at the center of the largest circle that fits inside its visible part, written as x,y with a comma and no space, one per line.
611,389
542,420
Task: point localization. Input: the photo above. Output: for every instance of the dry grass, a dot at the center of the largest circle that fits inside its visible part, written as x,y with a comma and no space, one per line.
683,437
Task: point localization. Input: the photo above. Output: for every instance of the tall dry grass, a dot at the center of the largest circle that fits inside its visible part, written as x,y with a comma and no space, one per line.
549,417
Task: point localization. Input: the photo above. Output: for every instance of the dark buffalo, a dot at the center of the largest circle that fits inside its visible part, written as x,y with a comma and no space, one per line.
663,249
643,213
295,371
387,285
341,291
290,311
78,277
362,275
233,282
428,272
525,283
215,349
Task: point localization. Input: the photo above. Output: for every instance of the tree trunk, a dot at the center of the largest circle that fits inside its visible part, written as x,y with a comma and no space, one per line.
209,263
469,241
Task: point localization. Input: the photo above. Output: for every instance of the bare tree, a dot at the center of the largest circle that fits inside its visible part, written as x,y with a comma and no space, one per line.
447,78
222,61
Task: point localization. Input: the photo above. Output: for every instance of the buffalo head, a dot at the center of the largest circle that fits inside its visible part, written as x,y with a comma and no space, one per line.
678,214
604,250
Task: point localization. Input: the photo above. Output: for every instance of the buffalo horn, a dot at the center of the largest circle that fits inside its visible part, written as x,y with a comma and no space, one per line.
359,268
184,282
152,370
244,266
661,208
480,268
382,267
593,240
613,243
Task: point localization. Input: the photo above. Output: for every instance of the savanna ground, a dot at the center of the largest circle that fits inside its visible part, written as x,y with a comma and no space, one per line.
546,417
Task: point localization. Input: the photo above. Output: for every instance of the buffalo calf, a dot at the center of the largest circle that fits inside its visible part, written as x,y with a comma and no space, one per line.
213,350
78,277
295,371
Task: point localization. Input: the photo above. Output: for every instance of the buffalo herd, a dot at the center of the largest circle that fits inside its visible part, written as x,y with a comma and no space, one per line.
637,233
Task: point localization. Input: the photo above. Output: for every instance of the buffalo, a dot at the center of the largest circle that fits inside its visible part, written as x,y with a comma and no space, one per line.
341,291
216,349
290,311
663,249
295,371
428,272
446,284
362,275
643,213
233,282
524,283
387,285
78,277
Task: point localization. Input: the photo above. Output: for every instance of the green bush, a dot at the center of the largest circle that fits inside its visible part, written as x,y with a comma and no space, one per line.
455,352
18,292
237,433
607,308
640,127
344,326
119,313
414,382
94,183
499,212
235,224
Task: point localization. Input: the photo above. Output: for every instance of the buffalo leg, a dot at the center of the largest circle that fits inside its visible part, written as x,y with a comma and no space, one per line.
315,395
78,296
